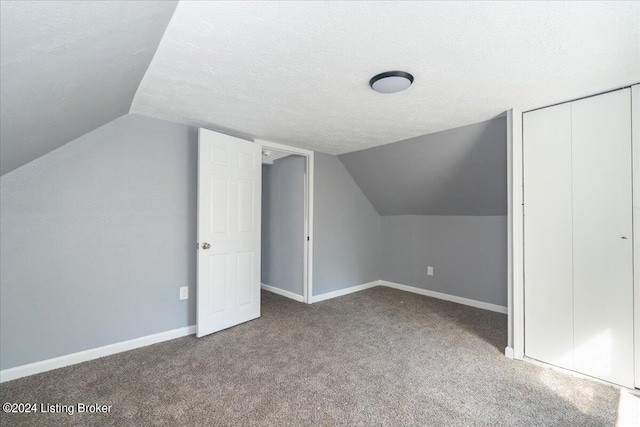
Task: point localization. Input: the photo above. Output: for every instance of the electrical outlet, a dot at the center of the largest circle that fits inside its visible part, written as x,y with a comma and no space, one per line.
184,292
429,271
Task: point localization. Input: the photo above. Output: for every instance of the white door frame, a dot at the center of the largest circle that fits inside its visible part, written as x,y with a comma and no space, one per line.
515,233
635,170
515,218
307,284
515,236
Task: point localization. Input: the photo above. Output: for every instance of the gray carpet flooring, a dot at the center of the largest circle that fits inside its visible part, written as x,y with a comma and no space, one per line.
378,357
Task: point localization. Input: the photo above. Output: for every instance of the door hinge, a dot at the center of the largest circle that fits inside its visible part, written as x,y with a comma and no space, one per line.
308,238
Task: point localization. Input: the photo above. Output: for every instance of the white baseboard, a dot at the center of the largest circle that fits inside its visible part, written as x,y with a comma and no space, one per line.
94,353
107,350
579,375
341,292
508,352
282,292
446,297
412,289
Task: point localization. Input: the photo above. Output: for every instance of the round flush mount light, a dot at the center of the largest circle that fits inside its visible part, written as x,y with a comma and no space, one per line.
391,81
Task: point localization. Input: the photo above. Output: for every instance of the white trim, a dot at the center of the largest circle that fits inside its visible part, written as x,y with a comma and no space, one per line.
414,290
94,353
308,290
446,297
107,350
284,148
508,352
509,234
345,291
282,292
635,170
576,374
308,209
516,219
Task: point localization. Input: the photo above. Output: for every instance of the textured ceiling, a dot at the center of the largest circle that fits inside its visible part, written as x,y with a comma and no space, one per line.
459,171
69,67
298,72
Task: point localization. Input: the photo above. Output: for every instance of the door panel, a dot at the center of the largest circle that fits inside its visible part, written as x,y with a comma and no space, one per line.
229,189
602,237
548,284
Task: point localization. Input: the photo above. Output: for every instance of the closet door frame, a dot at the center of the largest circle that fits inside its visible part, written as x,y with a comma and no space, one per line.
635,148
515,220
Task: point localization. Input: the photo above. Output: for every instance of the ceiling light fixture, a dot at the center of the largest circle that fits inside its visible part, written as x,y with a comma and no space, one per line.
391,81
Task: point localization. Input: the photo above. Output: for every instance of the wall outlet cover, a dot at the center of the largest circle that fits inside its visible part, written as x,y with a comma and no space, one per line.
184,292
429,271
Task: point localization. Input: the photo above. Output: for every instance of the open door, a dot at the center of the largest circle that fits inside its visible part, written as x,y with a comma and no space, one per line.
229,218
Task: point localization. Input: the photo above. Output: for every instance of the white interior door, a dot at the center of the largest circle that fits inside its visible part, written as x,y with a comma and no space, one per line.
229,191
548,235
602,237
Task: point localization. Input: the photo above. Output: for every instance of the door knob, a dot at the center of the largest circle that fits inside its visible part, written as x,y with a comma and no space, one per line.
624,237
206,245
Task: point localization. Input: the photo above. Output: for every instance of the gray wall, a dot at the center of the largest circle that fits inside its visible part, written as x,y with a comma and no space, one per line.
443,201
283,224
460,171
468,254
97,237
346,229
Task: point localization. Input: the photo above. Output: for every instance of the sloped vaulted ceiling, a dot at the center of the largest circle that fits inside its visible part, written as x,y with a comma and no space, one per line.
68,67
298,72
459,171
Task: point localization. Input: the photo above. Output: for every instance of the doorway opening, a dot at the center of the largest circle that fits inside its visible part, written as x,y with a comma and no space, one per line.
286,235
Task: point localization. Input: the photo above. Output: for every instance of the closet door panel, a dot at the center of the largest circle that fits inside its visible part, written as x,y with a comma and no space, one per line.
548,235
602,237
